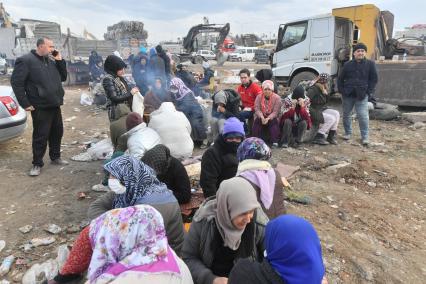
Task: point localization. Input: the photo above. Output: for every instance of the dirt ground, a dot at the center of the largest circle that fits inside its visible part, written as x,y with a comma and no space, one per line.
370,214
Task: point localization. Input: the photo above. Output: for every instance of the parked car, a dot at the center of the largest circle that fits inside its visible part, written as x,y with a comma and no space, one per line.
261,56
13,118
3,66
235,56
206,54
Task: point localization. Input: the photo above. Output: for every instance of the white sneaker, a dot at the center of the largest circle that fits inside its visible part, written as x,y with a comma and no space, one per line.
100,188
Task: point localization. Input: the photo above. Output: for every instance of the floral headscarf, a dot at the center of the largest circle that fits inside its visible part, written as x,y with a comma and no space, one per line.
183,90
253,148
130,237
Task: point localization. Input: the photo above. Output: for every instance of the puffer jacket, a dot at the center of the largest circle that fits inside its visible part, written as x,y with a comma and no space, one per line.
140,139
198,247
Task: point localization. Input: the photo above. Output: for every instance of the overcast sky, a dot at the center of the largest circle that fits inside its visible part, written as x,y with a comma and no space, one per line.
168,20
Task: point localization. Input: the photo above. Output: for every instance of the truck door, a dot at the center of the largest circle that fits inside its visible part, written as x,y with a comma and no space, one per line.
292,47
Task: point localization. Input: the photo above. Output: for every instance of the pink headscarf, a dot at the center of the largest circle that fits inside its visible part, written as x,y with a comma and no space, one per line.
268,84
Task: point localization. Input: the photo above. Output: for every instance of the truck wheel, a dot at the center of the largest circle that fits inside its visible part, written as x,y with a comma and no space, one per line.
302,77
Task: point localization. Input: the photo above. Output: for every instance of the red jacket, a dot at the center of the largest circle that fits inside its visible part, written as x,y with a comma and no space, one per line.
248,95
303,113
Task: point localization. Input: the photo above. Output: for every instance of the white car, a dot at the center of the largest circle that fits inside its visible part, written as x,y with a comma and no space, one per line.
13,118
206,54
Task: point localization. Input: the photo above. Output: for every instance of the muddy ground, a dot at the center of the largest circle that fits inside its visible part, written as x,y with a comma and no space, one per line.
370,214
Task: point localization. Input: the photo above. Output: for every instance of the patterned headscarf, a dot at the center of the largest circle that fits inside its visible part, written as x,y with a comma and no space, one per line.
253,148
158,158
126,238
139,180
183,90
323,78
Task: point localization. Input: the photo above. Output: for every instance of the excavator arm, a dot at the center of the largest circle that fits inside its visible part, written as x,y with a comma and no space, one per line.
189,40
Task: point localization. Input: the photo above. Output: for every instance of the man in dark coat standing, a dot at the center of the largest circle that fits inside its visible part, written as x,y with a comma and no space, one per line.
356,83
36,81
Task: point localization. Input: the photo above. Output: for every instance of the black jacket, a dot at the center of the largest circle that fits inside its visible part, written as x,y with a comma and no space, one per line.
177,180
232,107
36,81
187,78
116,95
219,162
358,79
252,272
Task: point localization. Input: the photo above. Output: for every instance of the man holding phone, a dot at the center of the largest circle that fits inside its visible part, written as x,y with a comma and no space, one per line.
36,82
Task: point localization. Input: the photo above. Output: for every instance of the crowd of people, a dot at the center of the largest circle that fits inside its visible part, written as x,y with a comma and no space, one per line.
241,232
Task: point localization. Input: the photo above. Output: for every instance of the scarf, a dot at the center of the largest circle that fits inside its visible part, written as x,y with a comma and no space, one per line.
132,238
293,249
183,90
158,158
140,180
228,205
266,104
119,82
261,174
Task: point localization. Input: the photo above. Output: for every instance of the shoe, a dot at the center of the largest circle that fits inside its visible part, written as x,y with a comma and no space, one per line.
331,138
320,139
35,171
274,145
284,145
100,188
59,162
347,137
364,142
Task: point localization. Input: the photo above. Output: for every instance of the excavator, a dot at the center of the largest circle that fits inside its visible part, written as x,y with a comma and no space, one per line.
223,46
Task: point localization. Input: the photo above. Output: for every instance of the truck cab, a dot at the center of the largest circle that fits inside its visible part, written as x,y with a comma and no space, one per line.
308,47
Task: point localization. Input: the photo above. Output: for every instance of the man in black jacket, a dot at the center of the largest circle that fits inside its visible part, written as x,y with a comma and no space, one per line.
36,81
356,83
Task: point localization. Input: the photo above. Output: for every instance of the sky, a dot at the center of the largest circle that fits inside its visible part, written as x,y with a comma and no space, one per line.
168,20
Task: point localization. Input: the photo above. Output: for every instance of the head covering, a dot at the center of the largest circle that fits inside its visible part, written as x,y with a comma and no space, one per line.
268,84
298,93
140,180
359,45
253,148
158,158
113,63
133,119
206,65
126,238
183,90
293,249
228,205
220,97
152,52
233,127
159,49
142,49
264,74
323,78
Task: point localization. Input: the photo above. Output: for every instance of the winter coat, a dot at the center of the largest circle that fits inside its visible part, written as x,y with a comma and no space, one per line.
187,78
302,114
154,98
219,162
116,94
252,272
232,107
318,103
275,109
141,139
193,111
208,74
177,135
36,81
248,94
358,79
177,180
118,127
199,246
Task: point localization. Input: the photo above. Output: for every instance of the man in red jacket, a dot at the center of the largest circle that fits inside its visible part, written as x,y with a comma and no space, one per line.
248,92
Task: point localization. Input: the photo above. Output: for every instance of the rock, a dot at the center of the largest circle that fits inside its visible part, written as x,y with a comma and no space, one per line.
36,242
336,167
378,253
38,273
53,229
70,118
342,216
25,229
84,224
334,206
342,180
2,245
371,184
384,112
414,117
417,125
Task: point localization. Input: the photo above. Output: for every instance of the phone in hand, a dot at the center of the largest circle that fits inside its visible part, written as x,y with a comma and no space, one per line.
55,53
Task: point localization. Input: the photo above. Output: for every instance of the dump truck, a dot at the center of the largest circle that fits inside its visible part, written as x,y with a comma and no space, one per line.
323,43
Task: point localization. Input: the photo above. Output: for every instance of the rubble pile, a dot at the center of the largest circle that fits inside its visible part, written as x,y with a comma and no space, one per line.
126,29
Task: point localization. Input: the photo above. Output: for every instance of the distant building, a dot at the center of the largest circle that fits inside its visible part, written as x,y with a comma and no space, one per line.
418,30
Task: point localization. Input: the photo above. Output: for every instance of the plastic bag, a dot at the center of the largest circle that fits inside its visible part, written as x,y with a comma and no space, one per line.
86,99
102,150
137,105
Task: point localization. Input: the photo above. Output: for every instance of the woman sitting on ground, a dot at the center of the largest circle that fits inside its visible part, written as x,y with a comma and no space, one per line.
224,229
253,155
293,256
170,171
129,245
156,96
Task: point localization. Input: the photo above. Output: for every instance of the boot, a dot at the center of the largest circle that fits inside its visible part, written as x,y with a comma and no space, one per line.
331,138
320,139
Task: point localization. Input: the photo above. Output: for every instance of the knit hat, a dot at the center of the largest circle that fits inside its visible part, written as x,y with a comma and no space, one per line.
268,84
298,93
359,45
133,119
205,65
253,148
114,63
233,127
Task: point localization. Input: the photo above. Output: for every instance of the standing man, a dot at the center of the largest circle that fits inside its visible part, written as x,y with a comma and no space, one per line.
36,81
248,92
356,83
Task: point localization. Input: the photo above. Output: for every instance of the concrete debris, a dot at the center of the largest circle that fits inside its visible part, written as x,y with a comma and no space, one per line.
25,229
334,168
53,229
2,245
414,117
417,125
69,119
36,242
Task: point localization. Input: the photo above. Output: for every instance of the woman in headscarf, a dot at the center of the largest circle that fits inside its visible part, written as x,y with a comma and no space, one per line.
224,229
156,96
266,74
170,171
129,245
293,256
131,183
267,107
116,88
326,118
188,104
253,155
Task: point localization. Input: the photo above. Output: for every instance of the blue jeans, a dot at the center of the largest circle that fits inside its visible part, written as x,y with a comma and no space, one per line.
361,108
